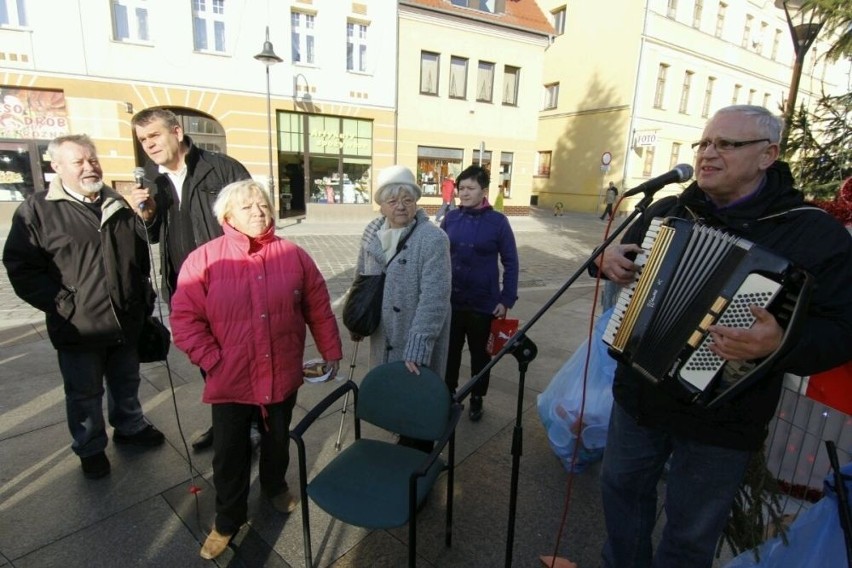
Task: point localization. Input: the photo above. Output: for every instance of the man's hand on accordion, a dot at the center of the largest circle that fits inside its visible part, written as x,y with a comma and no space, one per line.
746,344
616,264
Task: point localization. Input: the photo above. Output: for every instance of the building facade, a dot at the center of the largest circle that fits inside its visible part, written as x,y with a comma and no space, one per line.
624,103
87,67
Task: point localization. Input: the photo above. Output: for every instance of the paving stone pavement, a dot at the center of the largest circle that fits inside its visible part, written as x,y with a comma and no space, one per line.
143,513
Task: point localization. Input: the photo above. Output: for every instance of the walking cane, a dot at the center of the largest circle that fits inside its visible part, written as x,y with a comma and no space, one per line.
346,397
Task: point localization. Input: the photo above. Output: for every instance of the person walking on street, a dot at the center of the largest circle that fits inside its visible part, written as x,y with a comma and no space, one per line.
742,189
176,203
480,238
611,197
77,252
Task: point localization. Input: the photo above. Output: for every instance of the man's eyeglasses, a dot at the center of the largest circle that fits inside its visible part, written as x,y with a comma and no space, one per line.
722,145
393,203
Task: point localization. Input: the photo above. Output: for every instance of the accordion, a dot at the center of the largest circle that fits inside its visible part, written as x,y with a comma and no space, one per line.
691,277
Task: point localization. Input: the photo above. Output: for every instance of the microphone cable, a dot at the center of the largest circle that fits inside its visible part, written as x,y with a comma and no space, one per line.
194,488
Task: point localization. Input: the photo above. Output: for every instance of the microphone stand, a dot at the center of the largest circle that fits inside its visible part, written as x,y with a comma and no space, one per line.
524,351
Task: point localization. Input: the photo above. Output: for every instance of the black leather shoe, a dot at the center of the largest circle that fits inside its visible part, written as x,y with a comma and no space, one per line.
475,412
204,441
96,466
146,437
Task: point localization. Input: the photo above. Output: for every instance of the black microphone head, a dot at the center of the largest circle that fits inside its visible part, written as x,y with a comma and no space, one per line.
684,171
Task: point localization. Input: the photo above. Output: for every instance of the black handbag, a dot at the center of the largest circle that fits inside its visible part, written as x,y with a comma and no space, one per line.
154,341
362,311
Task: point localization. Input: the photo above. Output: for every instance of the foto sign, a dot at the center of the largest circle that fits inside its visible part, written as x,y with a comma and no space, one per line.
645,138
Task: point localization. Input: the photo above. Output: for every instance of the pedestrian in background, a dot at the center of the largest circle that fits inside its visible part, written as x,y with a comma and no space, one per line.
611,197
77,252
481,240
177,200
240,311
415,321
744,190
448,198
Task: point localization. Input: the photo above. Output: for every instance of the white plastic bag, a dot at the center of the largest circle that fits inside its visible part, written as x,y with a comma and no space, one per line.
559,404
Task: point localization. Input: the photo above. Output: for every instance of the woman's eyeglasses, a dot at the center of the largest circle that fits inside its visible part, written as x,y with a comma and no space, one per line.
393,203
723,145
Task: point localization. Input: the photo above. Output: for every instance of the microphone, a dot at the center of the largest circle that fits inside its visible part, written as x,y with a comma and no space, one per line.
139,176
681,173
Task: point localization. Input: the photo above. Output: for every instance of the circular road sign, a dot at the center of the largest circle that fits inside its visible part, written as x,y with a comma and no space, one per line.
606,159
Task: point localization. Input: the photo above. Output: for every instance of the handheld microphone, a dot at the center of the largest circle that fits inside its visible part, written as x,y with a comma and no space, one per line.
139,176
680,173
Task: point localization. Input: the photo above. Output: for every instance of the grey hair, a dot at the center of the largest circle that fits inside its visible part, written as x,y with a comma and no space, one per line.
770,124
229,195
393,190
79,139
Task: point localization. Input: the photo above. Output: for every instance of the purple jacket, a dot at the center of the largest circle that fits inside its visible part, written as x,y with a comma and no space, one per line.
477,238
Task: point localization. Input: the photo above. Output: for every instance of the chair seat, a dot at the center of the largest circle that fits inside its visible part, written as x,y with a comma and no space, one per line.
367,484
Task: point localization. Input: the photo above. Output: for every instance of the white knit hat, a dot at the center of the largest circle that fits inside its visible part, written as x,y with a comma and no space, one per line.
398,175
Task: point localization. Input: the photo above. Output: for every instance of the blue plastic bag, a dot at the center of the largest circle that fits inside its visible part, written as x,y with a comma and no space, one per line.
559,404
815,537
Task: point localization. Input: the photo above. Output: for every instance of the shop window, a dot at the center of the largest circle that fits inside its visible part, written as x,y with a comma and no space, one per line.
24,169
434,165
482,158
505,181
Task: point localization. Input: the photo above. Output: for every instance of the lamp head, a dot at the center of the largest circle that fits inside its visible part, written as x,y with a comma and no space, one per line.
267,55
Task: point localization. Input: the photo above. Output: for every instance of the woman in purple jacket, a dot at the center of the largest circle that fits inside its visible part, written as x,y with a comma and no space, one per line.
479,237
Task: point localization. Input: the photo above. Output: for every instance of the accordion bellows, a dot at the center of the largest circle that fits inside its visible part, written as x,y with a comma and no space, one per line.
691,277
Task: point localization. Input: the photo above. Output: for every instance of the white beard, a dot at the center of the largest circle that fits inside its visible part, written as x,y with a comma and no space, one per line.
91,187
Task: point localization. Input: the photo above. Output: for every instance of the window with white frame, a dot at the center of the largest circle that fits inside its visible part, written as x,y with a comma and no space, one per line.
356,47
648,164
302,38
13,13
542,164
708,97
551,96
697,12
511,81
766,98
429,68
485,82
684,92
458,77
208,25
776,43
671,9
129,20
559,20
674,159
736,94
720,19
659,92
751,94
749,20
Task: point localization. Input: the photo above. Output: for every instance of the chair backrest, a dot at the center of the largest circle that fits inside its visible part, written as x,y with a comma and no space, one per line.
392,398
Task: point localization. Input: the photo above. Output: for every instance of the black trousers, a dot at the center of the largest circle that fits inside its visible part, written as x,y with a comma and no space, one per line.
473,327
232,454
607,211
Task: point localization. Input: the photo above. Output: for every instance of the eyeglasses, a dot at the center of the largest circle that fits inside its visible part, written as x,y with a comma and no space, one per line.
393,203
722,145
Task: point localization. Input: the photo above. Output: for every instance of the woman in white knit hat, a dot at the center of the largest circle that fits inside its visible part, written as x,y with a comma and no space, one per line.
415,324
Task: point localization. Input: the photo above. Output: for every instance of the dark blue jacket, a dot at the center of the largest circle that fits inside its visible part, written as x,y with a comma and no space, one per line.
477,238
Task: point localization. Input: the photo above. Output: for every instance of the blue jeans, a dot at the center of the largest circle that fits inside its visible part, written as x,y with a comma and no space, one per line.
700,487
83,374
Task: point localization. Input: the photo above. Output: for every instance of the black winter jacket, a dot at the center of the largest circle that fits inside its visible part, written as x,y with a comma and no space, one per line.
90,278
778,219
207,173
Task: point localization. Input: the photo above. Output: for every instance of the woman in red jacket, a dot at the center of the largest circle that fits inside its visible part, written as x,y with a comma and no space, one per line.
240,313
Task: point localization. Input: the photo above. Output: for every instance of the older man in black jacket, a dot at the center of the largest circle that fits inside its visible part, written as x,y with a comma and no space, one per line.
177,205
77,252
742,189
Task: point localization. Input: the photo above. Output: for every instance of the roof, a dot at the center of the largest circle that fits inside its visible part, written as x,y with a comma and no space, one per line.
519,14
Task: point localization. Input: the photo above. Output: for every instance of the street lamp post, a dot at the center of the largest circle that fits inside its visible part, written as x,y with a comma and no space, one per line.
268,58
803,33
